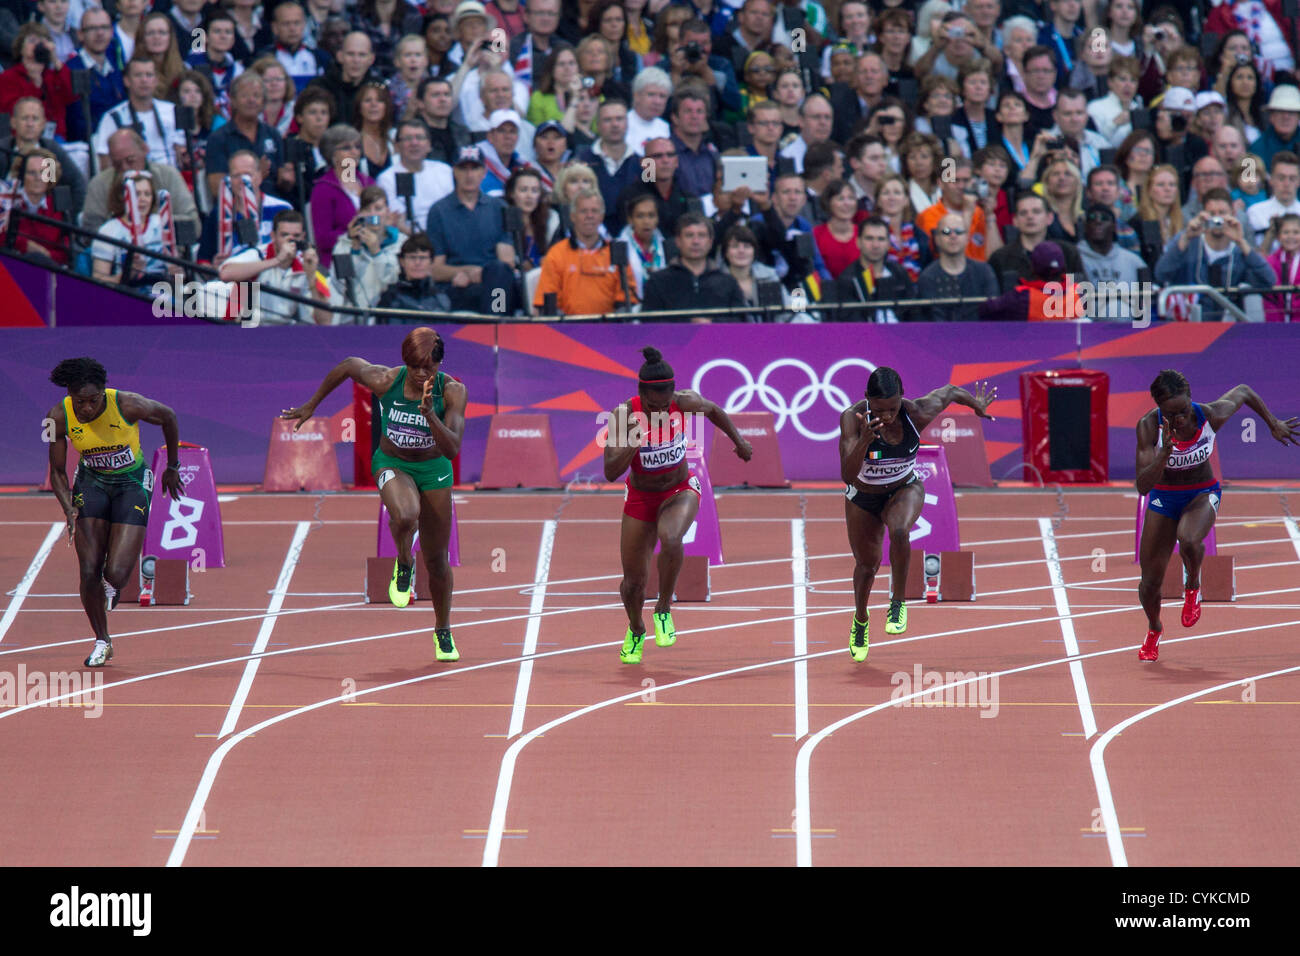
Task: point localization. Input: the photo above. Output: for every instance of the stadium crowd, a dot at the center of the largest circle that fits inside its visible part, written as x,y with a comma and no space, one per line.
574,157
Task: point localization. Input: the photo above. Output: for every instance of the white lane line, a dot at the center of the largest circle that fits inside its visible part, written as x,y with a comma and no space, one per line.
540,575
1067,627
1291,529
799,571
29,578
802,782
1097,757
264,632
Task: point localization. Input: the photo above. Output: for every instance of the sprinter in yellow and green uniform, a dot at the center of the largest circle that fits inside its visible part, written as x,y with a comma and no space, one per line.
422,410
107,506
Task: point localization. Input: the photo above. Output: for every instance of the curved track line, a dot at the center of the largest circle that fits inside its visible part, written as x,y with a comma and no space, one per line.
802,788
533,628
1097,757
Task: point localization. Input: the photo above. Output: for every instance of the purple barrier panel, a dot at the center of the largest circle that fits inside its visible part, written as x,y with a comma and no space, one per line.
34,283
704,537
224,384
189,527
936,529
385,548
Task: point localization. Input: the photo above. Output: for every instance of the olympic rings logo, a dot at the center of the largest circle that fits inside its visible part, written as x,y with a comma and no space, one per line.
804,399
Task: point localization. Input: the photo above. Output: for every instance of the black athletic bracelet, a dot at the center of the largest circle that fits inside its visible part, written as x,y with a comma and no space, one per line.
173,467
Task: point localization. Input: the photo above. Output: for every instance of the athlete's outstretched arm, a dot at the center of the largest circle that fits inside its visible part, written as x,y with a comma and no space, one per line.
137,408
694,403
59,467
929,406
448,430
1219,412
377,378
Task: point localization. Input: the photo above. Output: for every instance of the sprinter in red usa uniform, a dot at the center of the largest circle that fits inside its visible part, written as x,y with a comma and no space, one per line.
648,435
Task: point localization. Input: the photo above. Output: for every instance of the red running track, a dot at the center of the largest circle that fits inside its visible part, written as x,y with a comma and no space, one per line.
308,728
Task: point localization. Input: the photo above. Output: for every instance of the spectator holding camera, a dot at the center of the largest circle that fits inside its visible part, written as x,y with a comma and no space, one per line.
975,204
954,46
38,73
287,264
1213,250
373,246
692,58
1172,122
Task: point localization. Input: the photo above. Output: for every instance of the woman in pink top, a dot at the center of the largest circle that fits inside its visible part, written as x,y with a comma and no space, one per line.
837,239
336,196
1285,306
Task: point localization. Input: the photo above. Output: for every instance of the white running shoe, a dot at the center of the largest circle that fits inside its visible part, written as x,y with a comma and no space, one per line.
101,654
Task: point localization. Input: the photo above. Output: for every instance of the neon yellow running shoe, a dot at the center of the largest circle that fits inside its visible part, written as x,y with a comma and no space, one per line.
444,646
896,622
632,646
665,632
858,643
400,588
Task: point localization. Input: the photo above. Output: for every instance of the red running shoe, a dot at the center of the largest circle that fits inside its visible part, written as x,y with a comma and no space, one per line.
1150,647
1191,606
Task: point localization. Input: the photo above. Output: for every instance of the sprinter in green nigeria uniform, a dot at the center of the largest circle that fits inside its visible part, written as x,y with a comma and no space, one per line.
422,415
107,505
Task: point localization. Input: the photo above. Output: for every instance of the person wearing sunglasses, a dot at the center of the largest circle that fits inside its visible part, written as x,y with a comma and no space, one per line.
954,274
1104,261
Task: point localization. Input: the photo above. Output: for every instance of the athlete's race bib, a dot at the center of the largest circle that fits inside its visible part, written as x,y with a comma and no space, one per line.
1191,458
409,438
114,459
662,457
882,471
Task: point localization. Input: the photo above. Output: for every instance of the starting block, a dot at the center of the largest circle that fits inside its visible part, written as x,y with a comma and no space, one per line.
692,579
1218,578
520,453
946,576
159,581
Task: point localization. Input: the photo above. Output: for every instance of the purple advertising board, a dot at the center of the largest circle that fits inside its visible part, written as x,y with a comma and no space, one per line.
936,528
186,528
704,536
225,383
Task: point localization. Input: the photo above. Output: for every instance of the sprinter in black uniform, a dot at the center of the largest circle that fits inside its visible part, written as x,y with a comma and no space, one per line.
879,438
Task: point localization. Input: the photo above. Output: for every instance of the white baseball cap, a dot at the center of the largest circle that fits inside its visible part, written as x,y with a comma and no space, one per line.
501,117
1179,98
1210,98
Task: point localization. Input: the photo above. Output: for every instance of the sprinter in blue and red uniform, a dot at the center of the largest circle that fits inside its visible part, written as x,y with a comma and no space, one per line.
1174,443
648,434
879,438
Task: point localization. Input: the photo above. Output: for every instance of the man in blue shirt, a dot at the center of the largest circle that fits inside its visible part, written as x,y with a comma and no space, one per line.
472,253
107,88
